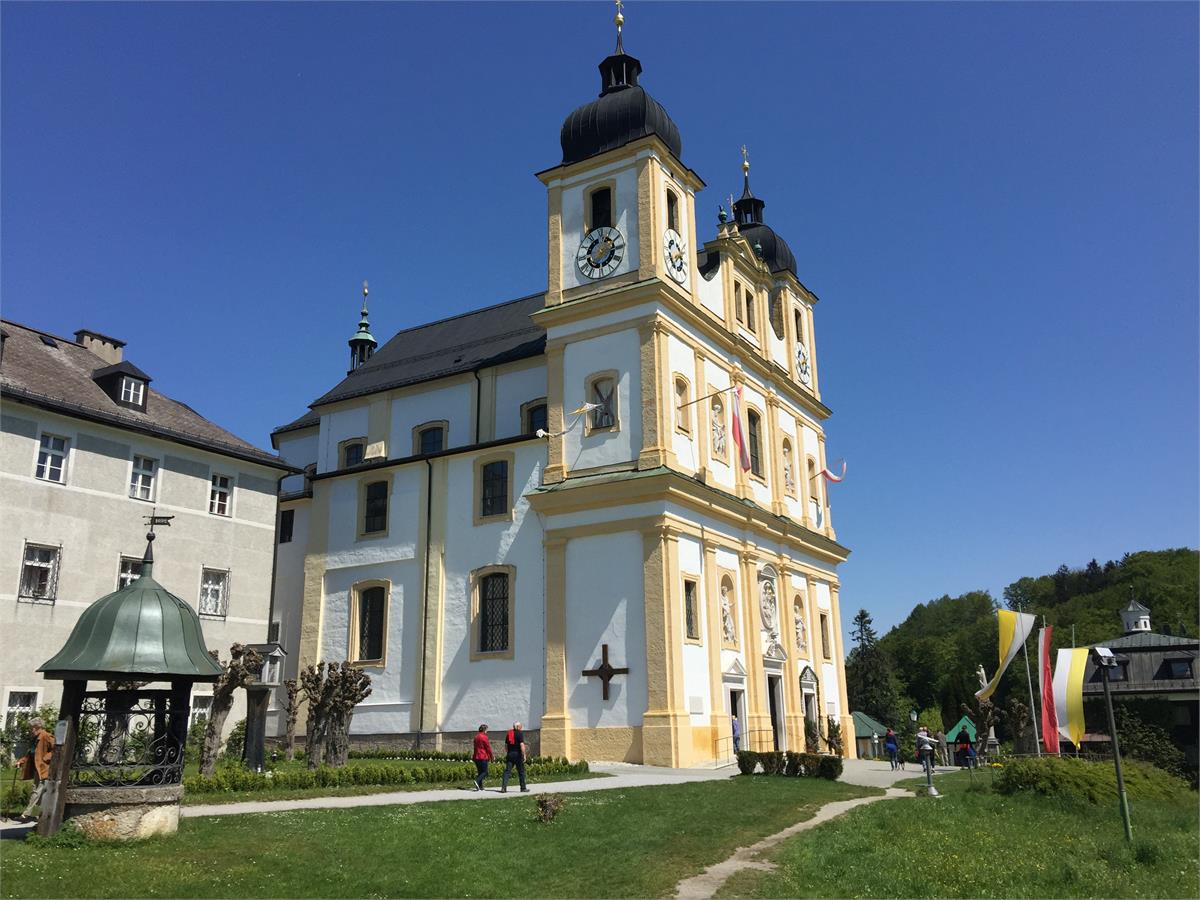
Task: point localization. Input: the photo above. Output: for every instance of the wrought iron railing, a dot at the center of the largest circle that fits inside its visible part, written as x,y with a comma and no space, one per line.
129,738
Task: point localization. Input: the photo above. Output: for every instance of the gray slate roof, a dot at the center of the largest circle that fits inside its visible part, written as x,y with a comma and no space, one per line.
60,379
462,343
1145,640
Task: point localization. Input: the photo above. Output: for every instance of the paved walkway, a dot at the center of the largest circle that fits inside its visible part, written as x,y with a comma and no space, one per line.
878,773
621,775
708,882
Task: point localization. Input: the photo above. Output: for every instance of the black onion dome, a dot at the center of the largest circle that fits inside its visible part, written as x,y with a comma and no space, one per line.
748,213
623,113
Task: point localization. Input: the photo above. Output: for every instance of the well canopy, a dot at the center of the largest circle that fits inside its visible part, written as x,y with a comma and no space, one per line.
142,631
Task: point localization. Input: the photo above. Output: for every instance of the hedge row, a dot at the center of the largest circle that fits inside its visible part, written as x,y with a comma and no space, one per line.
775,762
234,778
420,755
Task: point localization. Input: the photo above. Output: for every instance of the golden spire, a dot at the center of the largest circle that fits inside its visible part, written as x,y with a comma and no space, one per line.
619,20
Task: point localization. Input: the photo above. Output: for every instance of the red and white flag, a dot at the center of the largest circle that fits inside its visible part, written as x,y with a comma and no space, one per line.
739,437
1046,684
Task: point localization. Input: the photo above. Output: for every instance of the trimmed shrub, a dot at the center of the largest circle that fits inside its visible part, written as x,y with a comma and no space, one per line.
810,764
772,762
1088,782
549,806
830,767
792,766
747,761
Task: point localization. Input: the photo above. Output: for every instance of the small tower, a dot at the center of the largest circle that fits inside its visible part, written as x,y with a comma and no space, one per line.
363,344
1136,618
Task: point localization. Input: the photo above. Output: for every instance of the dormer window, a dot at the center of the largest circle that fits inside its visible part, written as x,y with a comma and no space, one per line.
133,391
125,384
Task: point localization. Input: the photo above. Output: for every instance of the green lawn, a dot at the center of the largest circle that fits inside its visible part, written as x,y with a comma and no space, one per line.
976,843
636,842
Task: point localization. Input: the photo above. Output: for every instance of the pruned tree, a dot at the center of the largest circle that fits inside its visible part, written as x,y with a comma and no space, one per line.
244,663
834,740
295,696
332,690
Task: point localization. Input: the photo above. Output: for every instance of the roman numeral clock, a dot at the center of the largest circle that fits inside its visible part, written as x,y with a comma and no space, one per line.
600,252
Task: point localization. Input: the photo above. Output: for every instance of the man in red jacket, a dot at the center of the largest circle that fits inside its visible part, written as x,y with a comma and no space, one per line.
516,755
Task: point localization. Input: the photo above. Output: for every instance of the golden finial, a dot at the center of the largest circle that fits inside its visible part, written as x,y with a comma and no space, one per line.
364,287
619,19
745,160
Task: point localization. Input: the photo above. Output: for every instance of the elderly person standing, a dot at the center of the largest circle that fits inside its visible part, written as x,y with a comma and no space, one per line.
516,755
36,765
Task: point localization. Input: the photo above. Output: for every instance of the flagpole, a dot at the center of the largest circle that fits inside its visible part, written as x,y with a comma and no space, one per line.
1033,710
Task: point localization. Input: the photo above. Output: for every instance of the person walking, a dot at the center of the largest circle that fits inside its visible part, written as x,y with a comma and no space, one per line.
36,765
892,748
943,752
925,744
482,755
737,735
515,756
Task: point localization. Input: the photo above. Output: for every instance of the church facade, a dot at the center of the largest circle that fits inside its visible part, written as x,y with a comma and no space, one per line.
600,510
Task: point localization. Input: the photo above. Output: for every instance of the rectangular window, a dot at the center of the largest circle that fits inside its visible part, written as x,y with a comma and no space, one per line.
287,519
825,646
141,482
20,703
371,608
683,409
133,390
672,211
352,454
750,310
601,208
201,706
754,440
738,311
432,440
494,491
493,613
131,571
690,613
375,509
52,458
214,592
220,495
39,573
1177,669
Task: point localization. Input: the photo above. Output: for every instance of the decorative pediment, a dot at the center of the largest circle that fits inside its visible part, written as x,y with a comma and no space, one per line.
808,678
735,669
774,650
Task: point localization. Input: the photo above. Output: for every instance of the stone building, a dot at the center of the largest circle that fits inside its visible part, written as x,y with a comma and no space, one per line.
599,509
87,449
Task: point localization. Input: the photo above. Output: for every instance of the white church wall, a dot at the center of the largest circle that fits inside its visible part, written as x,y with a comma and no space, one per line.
683,227
720,471
712,294
696,691
605,605
682,361
345,549
515,388
622,177
451,402
777,350
760,492
787,426
299,449
338,426
493,691
812,447
289,596
619,351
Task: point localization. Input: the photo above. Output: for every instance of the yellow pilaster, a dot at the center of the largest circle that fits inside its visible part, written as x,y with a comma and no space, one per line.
822,464
839,661
702,412
758,712
654,436
811,336
665,725
556,720
719,721
433,607
555,470
554,246
315,562
793,702
775,442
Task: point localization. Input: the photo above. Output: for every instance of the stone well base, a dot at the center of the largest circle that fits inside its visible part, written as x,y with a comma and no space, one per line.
125,813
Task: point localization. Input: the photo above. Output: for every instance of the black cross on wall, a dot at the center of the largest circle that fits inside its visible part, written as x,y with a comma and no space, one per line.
605,671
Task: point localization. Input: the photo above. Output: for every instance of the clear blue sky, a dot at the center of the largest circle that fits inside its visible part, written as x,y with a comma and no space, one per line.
997,205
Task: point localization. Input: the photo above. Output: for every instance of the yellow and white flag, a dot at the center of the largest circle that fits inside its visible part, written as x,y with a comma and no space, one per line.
1068,692
1014,629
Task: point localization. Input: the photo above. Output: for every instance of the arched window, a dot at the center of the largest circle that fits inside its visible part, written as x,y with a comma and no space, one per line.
754,442
352,452
368,626
777,314
601,209
534,416
799,319
430,438
739,311
814,481
683,412
672,211
602,392
750,311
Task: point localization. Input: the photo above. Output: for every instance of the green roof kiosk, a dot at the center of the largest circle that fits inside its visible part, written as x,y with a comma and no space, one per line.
117,770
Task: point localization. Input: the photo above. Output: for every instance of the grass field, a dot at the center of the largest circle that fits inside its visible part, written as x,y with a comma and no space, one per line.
974,842
636,842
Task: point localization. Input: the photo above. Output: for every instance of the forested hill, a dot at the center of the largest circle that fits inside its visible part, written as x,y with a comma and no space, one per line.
935,650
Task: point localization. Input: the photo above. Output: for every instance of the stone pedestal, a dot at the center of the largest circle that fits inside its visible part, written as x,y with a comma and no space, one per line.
124,813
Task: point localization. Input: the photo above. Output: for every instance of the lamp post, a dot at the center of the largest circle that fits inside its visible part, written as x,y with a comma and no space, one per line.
1104,660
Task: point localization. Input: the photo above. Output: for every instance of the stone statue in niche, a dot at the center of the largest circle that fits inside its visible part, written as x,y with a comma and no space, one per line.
801,631
789,480
770,607
718,427
727,628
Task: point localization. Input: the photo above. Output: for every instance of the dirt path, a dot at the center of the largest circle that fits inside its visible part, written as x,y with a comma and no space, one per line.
708,882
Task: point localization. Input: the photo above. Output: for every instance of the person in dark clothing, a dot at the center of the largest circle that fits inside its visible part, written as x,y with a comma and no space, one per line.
892,748
482,756
515,756
964,745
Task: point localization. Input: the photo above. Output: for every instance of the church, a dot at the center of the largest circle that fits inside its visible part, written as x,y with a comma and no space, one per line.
600,509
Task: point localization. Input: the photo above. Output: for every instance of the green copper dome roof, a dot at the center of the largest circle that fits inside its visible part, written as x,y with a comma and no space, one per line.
142,630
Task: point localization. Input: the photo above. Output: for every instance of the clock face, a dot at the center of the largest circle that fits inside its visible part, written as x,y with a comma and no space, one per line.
600,252
676,255
803,369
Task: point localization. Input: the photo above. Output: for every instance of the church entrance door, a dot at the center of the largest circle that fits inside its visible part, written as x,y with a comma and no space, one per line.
775,699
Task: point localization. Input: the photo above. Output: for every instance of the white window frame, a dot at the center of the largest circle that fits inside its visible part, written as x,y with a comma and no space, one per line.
133,390
10,713
54,567
122,580
223,598
215,491
45,455
192,708
143,479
